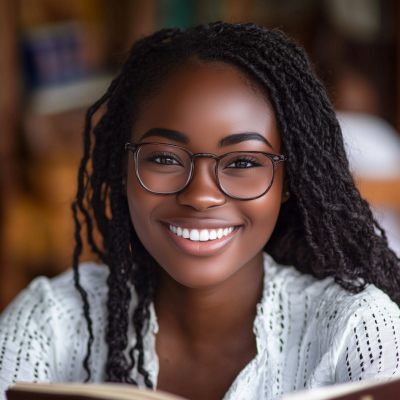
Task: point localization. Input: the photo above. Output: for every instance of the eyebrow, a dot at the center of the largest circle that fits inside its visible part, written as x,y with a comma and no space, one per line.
229,140
166,134
242,137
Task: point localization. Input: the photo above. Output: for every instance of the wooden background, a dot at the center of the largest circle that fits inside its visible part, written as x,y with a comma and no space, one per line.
40,127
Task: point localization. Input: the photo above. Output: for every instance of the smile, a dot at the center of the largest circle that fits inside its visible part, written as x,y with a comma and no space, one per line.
202,235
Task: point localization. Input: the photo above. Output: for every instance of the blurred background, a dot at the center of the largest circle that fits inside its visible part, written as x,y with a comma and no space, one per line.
58,56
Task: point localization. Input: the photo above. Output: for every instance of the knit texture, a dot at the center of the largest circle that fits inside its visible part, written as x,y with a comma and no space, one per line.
309,333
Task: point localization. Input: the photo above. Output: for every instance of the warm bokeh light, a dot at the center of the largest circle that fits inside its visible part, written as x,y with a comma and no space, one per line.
58,56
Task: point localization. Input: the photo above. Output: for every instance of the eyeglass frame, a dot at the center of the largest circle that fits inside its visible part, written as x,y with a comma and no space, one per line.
275,158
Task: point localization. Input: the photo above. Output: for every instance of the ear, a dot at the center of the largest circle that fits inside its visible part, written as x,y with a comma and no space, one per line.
285,193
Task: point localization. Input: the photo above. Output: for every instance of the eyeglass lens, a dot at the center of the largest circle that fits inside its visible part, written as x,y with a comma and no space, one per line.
166,169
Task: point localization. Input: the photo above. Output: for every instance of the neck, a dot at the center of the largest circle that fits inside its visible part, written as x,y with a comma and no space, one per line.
207,314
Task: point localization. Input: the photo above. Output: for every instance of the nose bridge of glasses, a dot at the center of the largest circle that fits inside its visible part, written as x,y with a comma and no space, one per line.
204,155
202,168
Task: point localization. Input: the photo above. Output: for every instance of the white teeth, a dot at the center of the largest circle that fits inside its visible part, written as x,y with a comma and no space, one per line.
203,236
194,235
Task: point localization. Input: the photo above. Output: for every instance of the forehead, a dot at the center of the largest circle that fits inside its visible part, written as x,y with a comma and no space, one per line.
206,103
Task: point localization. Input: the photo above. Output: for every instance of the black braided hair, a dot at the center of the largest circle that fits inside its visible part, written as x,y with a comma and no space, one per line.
325,229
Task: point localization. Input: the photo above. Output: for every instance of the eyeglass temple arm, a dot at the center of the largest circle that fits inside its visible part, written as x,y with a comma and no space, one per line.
278,158
130,146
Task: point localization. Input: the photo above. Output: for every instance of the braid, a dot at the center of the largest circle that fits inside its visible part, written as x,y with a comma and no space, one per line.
79,203
325,206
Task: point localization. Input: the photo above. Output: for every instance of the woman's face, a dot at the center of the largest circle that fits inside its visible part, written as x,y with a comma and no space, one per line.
206,105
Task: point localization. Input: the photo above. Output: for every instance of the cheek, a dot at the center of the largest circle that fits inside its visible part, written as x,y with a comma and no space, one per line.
141,205
262,213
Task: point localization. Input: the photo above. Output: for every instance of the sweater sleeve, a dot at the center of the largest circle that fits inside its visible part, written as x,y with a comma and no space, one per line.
26,337
43,332
370,345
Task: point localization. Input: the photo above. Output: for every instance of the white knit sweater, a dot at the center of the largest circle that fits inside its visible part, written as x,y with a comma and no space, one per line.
309,333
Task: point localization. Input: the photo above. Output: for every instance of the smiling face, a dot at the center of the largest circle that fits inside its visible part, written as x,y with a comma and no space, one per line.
204,110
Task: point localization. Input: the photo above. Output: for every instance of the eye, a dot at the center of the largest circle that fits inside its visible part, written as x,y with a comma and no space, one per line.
163,158
244,162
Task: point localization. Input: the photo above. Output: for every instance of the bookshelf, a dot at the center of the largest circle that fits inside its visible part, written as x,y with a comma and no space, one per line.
42,109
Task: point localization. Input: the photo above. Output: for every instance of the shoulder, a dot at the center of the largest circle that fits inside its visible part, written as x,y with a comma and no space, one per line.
347,336
369,337
45,324
58,293
322,294
358,335
92,277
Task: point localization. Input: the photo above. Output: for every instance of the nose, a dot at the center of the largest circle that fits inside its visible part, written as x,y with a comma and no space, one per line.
203,191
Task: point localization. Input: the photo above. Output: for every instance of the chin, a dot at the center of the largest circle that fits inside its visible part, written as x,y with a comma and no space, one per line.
198,274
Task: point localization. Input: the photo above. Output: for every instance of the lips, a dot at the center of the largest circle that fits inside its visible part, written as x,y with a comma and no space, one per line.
196,236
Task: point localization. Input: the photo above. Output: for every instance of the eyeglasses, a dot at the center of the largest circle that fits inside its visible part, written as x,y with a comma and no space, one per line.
168,169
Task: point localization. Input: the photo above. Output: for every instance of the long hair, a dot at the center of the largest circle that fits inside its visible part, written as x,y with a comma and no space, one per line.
325,229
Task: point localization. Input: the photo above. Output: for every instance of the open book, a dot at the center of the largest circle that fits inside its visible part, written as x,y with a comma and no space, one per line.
364,390
80,391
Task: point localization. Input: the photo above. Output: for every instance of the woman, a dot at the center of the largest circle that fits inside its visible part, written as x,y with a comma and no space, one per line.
218,143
